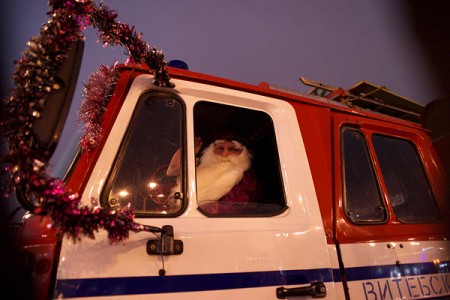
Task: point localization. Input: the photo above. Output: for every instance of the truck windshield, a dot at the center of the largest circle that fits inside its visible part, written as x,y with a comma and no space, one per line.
139,176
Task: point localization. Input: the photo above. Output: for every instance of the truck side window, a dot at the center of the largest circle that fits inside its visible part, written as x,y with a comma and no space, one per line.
238,170
138,175
406,183
362,198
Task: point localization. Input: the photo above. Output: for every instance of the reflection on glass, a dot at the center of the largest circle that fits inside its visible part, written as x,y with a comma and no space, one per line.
362,198
406,183
138,177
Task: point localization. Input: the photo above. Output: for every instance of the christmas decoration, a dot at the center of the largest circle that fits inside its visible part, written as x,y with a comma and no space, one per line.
33,80
96,96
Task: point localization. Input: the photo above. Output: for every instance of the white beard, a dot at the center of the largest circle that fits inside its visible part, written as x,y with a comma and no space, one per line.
216,175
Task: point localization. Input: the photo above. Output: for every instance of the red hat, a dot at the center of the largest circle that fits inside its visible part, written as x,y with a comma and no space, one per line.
228,135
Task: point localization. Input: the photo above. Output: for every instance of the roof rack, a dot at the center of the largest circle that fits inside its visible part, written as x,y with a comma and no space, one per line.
368,96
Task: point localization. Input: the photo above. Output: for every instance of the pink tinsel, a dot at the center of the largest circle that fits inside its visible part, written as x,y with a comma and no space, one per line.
96,95
33,79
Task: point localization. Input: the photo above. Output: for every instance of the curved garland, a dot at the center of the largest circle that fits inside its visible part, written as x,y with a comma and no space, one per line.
33,80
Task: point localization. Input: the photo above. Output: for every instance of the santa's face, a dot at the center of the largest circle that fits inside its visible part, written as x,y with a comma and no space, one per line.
226,148
221,167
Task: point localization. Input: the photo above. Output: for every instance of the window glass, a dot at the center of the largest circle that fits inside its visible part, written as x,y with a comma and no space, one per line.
406,183
139,173
65,157
238,171
362,199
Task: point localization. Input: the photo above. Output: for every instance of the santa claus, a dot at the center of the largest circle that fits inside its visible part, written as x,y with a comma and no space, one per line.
220,173
224,175
225,179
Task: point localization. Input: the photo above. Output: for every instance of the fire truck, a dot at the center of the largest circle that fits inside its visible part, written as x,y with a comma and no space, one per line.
355,200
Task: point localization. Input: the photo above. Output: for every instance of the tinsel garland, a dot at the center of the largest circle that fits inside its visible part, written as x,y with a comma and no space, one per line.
96,95
33,78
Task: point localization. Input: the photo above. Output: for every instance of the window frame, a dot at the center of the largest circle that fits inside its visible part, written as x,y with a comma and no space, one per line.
275,155
426,181
374,175
184,182
348,232
122,150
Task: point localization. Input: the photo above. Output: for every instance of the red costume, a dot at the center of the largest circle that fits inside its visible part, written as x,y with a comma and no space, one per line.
248,190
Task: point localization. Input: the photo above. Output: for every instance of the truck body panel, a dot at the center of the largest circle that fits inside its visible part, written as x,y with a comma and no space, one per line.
317,224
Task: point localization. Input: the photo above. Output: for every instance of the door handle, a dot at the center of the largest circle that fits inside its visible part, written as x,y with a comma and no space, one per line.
316,290
165,244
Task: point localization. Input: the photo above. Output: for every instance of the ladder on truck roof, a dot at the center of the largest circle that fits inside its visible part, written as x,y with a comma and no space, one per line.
369,96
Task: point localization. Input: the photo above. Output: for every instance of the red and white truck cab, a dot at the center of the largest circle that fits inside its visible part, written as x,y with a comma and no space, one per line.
355,201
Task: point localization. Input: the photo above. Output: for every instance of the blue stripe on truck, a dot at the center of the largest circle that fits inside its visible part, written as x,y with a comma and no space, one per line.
112,286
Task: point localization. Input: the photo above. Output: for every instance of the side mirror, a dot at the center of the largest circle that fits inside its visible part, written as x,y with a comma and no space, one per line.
47,129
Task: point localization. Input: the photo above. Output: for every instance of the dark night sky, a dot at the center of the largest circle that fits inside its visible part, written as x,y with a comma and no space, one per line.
336,42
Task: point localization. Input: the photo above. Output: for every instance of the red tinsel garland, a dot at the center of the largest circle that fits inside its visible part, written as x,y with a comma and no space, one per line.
33,80
96,95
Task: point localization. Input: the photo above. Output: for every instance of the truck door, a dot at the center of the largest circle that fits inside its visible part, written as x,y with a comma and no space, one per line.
390,214
273,248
